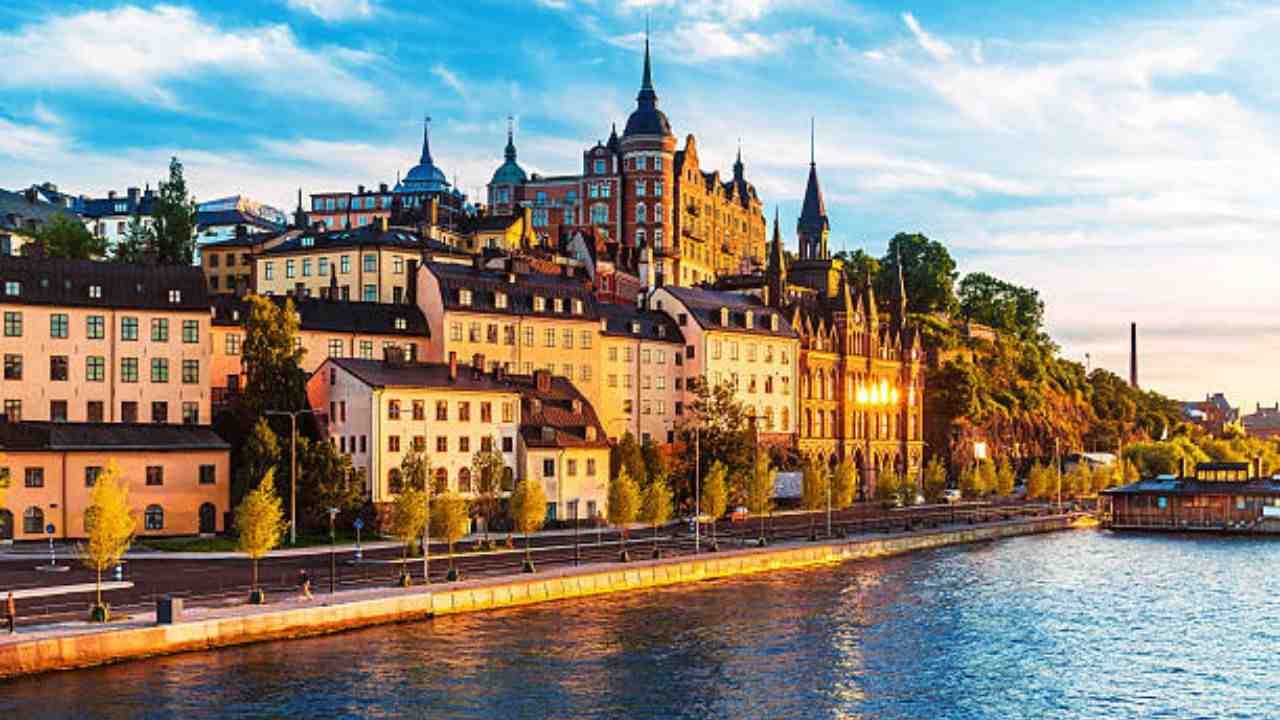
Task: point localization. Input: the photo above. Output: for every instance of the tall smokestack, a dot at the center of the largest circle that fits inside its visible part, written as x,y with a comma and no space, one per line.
1133,355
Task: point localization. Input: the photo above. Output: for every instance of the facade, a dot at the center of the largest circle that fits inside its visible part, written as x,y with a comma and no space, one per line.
88,341
1217,497
229,265
643,390
1264,423
373,263
1213,414
109,217
734,338
507,233
517,319
638,190
21,215
232,217
178,477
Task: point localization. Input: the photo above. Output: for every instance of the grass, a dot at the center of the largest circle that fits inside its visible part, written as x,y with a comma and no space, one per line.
223,543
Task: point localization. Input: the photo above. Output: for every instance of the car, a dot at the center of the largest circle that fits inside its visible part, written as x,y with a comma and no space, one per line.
951,495
738,514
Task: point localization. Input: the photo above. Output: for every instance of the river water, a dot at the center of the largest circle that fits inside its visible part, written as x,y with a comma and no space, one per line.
1081,624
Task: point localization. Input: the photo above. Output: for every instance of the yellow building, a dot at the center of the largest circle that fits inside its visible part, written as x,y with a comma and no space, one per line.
229,265
563,444
500,232
373,263
642,373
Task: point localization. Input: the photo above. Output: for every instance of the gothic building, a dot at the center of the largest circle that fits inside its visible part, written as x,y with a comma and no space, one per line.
639,190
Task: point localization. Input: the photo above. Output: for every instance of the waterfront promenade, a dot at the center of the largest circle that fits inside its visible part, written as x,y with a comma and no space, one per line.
80,644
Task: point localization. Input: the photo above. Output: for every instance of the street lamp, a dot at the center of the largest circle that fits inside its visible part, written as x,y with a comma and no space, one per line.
293,467
333,553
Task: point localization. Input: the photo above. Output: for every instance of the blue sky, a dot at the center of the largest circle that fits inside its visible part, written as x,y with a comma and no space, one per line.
1120,157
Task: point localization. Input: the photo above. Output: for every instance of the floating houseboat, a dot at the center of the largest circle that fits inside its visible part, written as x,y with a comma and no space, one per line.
1217,497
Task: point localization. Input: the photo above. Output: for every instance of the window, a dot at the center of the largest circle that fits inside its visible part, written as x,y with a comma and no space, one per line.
95,291
571,467
393,409
370,263
322,267
58,410
370,293
366,349
159,412
599,214
486,412
159,370
639,188
528,336
58,325
12,367
344,264
97,327
190,413
129,411
190,372
154,518
208,474
442,411
269,270
393,443
599,167
13,324
91,474
175,296
190,331
641,215
58,365
155,475
233,344
34,477
464,412
290,268
306,267
33,521
95,411
160,329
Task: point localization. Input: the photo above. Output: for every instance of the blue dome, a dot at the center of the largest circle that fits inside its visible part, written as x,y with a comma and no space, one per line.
425,176
510,173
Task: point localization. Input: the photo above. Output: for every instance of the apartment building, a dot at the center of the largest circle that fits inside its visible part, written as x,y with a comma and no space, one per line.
373,263
642,373
88,341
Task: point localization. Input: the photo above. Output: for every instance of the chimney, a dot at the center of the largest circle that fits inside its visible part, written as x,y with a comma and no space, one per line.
411,293
1133,355
242,232
382,187
133,196
453,366
359,189
542,380
111,194
382,223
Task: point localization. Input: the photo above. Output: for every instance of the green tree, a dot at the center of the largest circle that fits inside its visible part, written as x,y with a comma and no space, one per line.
1078,481
138,238
450,522
906,490
655,507
415,469
815,484
1006,478
529,511
174,219
1001,305
759,490
987,479
928,272
844,484
110,523
656,464
64,236
326,480
487,470
858,265
259,453
624,504
271,357
408,522
715,495
935,480
259,526
725,433
628,454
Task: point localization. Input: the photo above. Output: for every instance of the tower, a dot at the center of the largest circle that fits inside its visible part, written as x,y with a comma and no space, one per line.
776,273
647,152
813,226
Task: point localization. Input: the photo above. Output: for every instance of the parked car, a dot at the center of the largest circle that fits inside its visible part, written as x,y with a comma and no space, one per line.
738,514
951,495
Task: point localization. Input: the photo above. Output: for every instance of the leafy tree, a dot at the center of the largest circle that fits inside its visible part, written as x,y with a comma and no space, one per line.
886,492
935,480
1078,481
906,490
487,469
858,265
1001,305
259,525
1041,482
655,507
274,379
1006,478
725,433
656,464
969,482
326,480
138,238
409,516
624,503
174,219
259,453
63,236
815,483
845,484
628,454
759,490
986,478
1164,457
715,495
529,511
928,272
111,525
415,469
450,522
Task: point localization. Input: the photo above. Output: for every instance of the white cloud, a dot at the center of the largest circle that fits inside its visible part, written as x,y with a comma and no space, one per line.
939,49
334,10
30,143
450,78
144,53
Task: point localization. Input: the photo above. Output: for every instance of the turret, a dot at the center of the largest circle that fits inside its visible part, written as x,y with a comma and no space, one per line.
813,226
776,274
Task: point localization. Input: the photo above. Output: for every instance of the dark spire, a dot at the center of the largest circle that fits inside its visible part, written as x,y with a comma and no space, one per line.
647,82
776,272
737,165
510,152
813,225
901,320
426,142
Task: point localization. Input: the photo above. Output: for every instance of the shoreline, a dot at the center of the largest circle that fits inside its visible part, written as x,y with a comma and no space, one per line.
69,646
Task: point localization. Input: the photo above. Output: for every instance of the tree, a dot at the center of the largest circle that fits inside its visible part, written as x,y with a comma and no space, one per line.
715,496
655,508
886,492
529,512
1078,481
408,522
624,504
271,357
326,480
110,523
1041,482
260,524
968,482
906,490
259,453
759,490
656,464
174,219
845,483
415,470
63,236
815,484
935,480
858,265
1005,478
450,522
487,469
928,272
986,480
138,239
628,454
725,433
1001,305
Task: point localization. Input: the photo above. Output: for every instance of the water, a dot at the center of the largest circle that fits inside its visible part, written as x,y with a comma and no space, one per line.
1072,625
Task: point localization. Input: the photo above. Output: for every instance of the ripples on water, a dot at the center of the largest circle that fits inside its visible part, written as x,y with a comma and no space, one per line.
1072,625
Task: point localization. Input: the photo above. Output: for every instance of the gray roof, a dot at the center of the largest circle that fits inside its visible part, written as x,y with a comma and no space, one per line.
653,325
363,236
486,284
57,281
28,435
325,315
382,374
19,213
705,307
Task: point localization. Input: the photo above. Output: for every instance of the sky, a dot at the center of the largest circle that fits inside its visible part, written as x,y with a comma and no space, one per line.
1122,158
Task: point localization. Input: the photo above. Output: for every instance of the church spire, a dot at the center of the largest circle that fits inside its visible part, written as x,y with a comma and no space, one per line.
813,226
510,152
737,164
776,272
647,82
426,142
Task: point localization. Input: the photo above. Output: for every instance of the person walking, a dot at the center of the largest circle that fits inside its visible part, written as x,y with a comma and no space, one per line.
11,614
304,579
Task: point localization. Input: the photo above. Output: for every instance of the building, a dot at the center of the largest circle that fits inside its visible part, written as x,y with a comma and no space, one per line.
327,329
643,373
1213,414
88,341
230,265
515,318
109,217
638,190
371,263
178,477
503,233
231,217
1217,497
734,338
1264,423
424,198
21,215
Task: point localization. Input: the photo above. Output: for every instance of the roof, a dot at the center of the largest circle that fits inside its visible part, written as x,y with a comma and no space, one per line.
28,435
17,212
249,240
323,315
556,415
647,119
425,176
57,281
510,173
141,203
493,222
652,325
704,305
381,374
1191,486
205,219
813,214
363,236
518,289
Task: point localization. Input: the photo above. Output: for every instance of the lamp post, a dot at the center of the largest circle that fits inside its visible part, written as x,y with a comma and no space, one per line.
697,492
577,556
333,553
293,467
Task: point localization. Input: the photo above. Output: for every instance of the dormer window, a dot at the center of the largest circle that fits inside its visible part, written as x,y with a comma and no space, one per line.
662,331
95,291
401,324
138,288
635,327
724,317
548,433
500,300
175,296
308,241
591,433
12,288
577,307
558,304
539,303
577,406
773,323
235,315
749,320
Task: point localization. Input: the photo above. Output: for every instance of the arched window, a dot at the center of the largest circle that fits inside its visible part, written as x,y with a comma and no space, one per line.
834,425
822,385
768,419
464,480
786,420
442,480
641,215
821,424
808,423
153,519
395,481
657,213
640,237
33,521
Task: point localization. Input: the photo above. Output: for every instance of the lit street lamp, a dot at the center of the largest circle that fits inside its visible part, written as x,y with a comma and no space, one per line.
293,467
